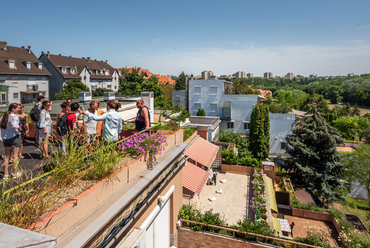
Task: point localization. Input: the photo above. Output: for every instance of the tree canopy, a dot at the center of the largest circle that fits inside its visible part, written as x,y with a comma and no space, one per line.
180,82
71,89
314,158
259,133
357,165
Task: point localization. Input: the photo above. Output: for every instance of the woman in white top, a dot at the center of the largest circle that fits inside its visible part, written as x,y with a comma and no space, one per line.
10,132
46,126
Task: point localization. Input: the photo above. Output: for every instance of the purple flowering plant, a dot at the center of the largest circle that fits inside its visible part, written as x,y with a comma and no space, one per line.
144,143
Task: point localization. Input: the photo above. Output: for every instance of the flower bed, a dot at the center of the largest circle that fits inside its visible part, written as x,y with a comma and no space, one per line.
107,168
258,201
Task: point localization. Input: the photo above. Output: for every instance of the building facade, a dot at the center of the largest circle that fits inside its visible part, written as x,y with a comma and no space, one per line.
22,76
240,74
207,75
280,126
94,74
250,75
267,75
290,75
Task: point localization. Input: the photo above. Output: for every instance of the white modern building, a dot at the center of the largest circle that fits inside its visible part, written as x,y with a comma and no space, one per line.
93,73
22,76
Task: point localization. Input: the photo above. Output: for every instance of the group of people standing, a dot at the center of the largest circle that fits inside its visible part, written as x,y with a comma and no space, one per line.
97,126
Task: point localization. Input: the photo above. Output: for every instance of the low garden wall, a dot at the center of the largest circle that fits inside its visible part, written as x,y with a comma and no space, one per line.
246,170
58,222
314,215
190,239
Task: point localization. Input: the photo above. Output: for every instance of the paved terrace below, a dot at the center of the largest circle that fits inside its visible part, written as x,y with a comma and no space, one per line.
233,203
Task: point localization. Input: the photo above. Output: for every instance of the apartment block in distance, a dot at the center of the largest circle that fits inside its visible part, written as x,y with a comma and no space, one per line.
267,75
290,75
93,73
250,75
239,74
22,76
207,75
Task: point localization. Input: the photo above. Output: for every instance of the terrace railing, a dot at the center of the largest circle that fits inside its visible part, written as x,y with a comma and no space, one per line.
257,236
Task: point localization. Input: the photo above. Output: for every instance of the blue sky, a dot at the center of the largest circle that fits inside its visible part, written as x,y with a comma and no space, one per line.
323,37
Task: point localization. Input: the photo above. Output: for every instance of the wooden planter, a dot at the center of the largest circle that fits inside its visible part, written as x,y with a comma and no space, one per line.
58,222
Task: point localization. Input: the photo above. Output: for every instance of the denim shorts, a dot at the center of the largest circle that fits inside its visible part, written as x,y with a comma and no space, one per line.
16,141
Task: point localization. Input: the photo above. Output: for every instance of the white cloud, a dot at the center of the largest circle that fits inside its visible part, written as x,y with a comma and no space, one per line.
306,59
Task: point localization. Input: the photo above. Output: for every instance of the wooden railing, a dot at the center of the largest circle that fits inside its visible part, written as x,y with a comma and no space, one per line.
248,233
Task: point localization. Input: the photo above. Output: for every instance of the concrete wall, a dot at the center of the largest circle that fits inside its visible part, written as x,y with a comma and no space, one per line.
206,96
191,239
246,170
241,110
280,126
85,78
181,96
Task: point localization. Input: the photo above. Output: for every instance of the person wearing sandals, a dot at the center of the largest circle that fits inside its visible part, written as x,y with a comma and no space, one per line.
46,126
10,132
23,124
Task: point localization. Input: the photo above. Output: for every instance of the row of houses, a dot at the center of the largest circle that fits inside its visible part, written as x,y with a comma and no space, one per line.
23,76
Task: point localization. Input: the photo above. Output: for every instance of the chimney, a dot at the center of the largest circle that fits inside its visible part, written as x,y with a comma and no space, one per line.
83,57
106,61
88,58
3,45
48,54
70,56
29,49
22,46
42,52
60,54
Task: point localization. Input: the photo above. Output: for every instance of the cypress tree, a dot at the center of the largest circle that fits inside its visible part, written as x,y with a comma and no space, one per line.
257,134
314,158
266,127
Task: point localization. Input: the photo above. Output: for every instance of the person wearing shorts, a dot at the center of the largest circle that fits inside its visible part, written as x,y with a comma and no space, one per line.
10,133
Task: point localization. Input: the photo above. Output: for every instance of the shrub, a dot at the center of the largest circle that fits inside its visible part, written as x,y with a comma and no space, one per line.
317,237
354,238
188,131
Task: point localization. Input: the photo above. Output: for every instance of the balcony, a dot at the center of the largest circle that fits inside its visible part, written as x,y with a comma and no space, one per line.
32,87
226,111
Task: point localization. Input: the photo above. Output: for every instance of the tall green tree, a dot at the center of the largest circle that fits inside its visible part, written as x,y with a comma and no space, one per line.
363,128
71,89
357,166
257,135
266,127
180,83
130,82
314,158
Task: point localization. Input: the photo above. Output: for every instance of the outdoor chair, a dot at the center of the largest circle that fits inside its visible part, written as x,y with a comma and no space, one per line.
280,215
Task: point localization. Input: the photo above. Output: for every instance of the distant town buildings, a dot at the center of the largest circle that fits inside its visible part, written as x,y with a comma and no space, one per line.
239,74
313,76
250,75
207,75
162,79
22,76
290,75
350,74
267,75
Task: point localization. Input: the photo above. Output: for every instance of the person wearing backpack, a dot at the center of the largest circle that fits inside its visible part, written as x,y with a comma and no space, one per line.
62,128
35,115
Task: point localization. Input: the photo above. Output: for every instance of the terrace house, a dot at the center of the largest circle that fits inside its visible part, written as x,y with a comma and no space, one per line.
22,76
93,73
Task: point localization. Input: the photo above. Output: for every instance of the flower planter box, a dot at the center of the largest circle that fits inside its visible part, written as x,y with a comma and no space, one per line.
58,222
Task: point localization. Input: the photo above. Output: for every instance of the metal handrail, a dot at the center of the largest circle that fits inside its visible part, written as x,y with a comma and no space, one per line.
248,233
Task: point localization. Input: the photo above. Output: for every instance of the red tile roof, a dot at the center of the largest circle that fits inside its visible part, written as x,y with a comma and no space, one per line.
146,73
166,79
194,178
202,152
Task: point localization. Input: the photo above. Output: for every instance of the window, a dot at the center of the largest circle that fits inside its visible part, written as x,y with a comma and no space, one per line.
2,99
246,125
197,106
197,90
72,70
109,86
177,99
64,70
213,107
213,90
29,65
106,72
282,145
40,66
12,64
230,124
15,95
